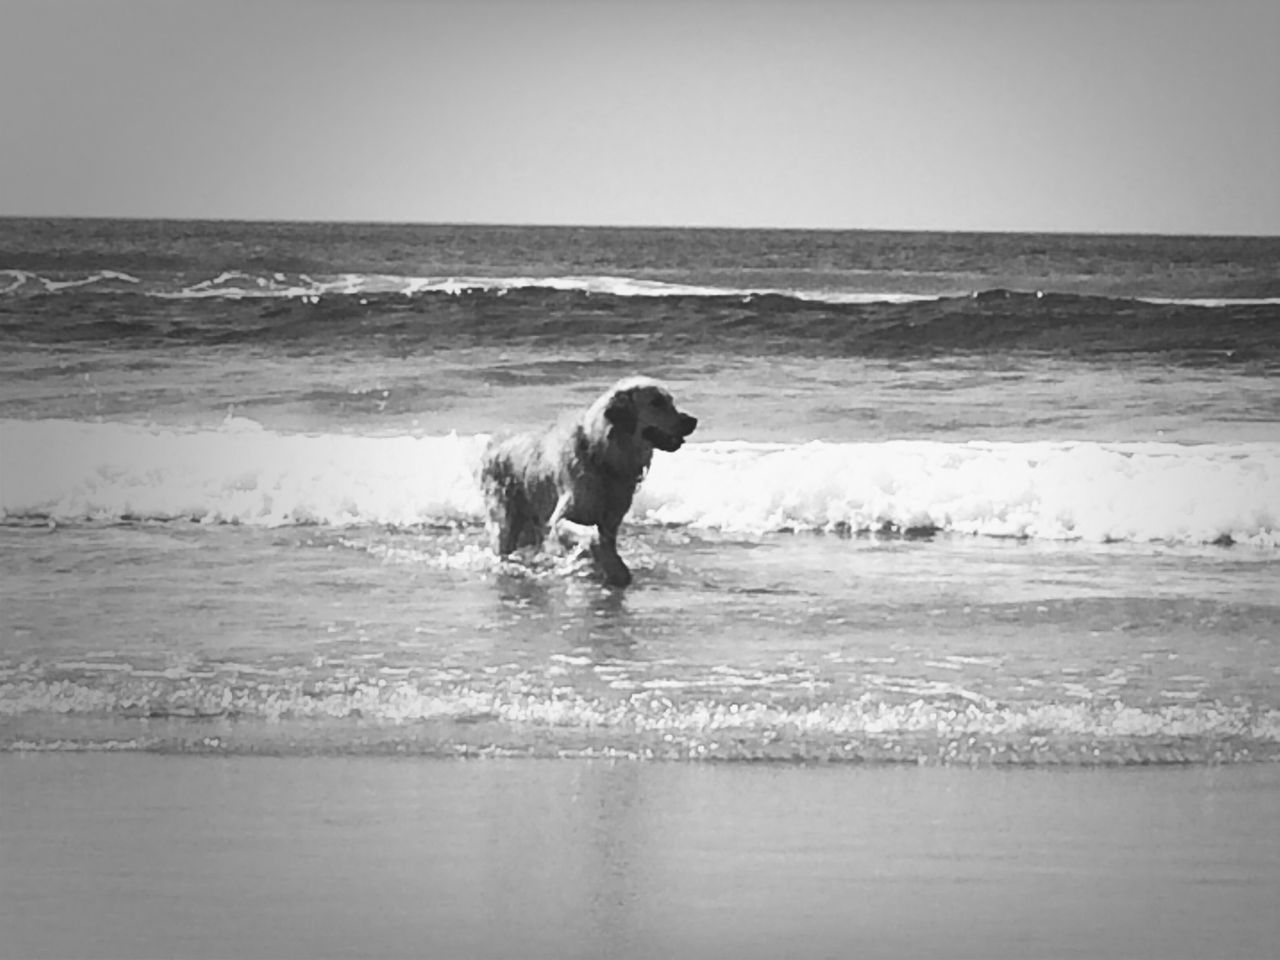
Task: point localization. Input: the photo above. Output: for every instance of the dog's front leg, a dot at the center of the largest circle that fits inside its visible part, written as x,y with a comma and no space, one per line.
616,572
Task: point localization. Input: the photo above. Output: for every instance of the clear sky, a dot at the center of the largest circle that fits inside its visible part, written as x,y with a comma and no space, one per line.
1091,115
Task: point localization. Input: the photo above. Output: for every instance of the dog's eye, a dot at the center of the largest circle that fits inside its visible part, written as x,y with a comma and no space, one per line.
658,402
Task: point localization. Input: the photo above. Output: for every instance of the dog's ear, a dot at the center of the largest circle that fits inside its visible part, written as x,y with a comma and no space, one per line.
621,412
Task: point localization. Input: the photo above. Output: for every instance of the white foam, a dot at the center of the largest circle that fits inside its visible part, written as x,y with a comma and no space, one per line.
1212,301
518,713
240,472
1059,491
19,278
16,279
624,287
239,284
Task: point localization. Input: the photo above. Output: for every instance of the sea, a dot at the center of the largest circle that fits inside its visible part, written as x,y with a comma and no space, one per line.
972,499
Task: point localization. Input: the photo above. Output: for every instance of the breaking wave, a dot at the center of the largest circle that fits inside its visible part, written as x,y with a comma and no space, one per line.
241,284
241,473
349,310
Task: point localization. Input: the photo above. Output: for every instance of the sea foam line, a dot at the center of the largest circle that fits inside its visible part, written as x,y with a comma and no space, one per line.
644,724
243,473
240,284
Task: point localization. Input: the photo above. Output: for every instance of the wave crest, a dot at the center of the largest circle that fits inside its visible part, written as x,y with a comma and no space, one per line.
242,473
243,284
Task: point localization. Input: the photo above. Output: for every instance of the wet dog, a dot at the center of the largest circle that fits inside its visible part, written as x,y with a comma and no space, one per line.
584,470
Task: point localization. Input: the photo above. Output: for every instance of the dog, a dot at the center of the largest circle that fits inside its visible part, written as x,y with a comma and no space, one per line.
584,470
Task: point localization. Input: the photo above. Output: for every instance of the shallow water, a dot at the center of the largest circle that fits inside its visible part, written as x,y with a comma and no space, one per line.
806,647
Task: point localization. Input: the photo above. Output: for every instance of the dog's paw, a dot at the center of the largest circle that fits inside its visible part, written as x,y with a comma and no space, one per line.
610,565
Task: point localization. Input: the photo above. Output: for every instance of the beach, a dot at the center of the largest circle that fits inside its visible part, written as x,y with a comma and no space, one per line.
161,856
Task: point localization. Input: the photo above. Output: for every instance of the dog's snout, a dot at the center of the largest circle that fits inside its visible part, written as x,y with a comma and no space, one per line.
687,424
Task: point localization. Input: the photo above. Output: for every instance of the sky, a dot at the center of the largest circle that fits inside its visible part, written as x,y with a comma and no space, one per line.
1152,116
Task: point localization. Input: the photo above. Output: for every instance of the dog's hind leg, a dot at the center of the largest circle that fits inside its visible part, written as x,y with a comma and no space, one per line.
507,522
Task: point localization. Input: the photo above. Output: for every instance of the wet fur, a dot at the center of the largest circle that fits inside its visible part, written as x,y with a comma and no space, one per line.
584,470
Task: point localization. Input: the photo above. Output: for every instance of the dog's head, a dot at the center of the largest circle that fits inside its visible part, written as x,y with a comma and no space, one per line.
642,408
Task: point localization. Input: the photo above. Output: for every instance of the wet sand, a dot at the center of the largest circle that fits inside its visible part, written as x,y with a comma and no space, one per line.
163,856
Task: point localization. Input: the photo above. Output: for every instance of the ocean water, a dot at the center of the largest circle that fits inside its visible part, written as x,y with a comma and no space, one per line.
954,498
